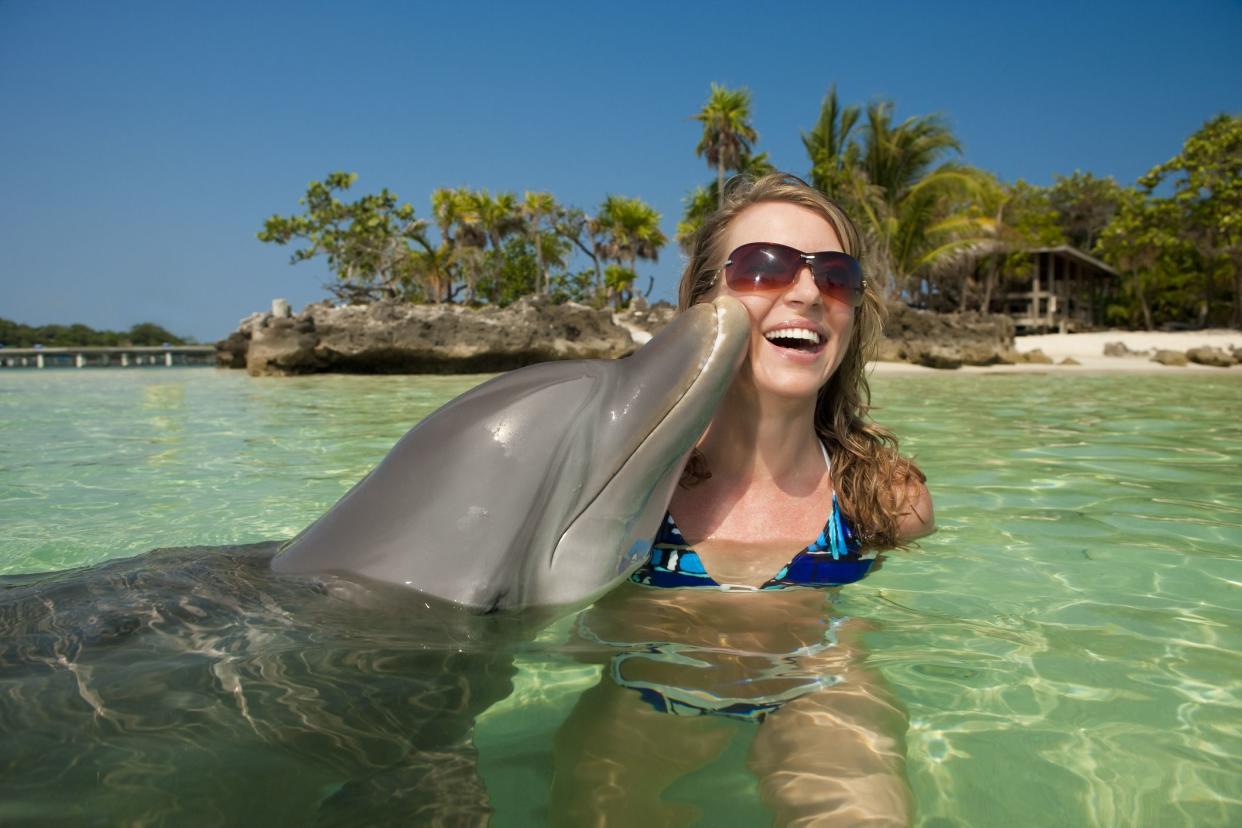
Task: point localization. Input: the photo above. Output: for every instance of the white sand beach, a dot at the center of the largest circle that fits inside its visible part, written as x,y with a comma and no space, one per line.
1088,349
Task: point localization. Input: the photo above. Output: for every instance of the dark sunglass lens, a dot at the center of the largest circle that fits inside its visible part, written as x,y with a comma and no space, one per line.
839,277
759,266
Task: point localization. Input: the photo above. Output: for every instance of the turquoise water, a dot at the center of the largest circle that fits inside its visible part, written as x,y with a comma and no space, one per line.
1067,646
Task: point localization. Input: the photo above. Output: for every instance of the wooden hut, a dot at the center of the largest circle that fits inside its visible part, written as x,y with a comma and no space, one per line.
1065,290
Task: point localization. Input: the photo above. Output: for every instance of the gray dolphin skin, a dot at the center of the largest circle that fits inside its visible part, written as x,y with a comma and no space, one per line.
542,487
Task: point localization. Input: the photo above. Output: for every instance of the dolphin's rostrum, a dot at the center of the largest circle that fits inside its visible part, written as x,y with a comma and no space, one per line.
543,486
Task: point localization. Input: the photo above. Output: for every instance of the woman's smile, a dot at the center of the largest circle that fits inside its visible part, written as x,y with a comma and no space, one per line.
799,337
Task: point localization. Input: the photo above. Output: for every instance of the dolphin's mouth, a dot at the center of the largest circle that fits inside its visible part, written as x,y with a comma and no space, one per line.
680,376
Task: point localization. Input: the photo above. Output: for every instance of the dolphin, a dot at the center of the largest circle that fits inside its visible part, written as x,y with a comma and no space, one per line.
543,487
176,685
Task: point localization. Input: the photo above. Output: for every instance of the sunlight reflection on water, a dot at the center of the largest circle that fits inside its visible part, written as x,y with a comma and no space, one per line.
1066,645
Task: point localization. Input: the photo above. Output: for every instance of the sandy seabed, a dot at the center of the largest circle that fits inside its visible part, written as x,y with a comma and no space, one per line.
1088,349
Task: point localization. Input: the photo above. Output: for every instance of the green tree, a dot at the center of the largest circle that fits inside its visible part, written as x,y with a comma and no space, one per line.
584,232
905,188
574,287
1141,242
17,335
515,273
450,209
833,155
1084,205
893,179
538,210
631,229
367,242
727,132
496,218
150,334
992,237
1207,196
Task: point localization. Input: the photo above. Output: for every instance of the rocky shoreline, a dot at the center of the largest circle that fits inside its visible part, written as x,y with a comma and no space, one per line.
400,338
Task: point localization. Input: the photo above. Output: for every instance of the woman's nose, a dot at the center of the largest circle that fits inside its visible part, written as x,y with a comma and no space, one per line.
803,288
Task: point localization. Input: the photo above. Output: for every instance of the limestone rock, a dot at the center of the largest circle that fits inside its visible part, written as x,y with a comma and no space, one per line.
1216,357
1037,357
942,340
1010,357
1069,361
936,356
401,338
231,351
1165,357
1119,349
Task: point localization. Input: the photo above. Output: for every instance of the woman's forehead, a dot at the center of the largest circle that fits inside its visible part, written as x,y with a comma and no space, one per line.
790,224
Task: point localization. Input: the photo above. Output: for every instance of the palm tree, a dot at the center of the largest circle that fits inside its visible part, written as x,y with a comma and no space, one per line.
984,234
832,154
449,208
482,220
431,269
536,209
889,179
497,217
727,133
631,229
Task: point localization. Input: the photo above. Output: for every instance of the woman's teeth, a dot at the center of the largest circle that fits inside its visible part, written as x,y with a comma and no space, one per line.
799,338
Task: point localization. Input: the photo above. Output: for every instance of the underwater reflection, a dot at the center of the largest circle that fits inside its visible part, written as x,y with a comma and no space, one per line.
685,674
194,685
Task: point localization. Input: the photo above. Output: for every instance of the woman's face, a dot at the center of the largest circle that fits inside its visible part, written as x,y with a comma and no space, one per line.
789,367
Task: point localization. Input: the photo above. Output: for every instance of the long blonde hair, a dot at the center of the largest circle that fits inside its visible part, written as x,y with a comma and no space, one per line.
868,473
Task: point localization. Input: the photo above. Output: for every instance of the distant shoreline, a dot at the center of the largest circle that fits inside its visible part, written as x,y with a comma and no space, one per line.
1088,350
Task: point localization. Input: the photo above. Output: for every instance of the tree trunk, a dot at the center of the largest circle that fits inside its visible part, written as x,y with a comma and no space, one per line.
541,278
599,272
627,294
989,284
1142,297
720,181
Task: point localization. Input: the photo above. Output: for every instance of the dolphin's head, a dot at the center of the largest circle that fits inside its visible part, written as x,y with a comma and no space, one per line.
543,486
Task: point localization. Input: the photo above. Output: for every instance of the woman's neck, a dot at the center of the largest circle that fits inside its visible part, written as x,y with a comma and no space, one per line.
758,438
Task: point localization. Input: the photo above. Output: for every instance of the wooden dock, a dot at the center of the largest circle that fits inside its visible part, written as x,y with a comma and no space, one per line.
94,357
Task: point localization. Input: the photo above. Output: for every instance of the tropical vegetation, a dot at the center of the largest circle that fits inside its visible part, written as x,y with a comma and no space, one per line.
477,247
937,232
941,234
144,334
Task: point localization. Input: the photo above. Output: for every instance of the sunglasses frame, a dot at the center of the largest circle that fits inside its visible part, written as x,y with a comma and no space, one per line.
822,280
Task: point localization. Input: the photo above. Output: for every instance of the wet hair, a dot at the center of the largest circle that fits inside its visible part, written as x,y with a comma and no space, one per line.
869,475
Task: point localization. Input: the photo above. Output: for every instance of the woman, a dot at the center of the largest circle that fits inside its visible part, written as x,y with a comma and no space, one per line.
789,457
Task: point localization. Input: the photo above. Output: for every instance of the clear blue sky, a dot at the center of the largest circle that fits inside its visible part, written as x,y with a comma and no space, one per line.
143,143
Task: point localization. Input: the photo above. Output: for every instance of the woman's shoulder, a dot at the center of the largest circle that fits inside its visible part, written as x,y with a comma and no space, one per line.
916,516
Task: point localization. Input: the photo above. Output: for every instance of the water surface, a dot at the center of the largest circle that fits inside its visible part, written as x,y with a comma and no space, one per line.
1066,645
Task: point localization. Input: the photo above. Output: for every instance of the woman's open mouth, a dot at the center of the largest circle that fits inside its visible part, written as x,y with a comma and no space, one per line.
801,340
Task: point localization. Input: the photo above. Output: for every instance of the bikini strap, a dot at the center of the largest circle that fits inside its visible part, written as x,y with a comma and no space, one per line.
836,530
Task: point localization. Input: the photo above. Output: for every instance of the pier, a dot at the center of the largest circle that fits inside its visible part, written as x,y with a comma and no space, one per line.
98,357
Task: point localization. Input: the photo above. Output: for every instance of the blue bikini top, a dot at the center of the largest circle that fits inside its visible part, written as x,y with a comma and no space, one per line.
832,559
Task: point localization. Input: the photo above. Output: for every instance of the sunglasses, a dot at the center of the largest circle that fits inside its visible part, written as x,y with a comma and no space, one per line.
761,266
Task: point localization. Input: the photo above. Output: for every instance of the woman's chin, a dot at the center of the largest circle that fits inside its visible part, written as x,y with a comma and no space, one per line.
793,385
795,374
